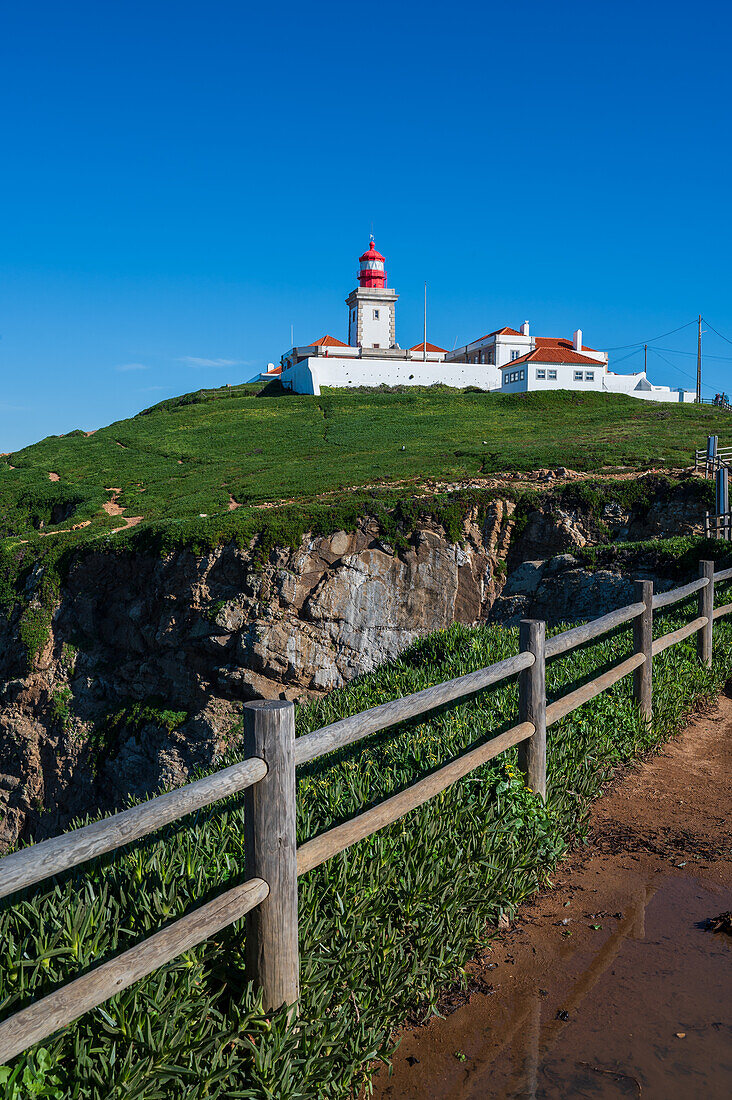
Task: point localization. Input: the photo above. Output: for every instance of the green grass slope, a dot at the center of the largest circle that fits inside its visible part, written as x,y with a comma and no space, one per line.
190,455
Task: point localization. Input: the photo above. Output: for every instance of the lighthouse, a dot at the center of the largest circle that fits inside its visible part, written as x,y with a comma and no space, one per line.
372,307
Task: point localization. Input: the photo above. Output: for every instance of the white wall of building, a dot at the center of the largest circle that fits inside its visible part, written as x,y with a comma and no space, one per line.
372,317
376,323
505,345
537,376
556,376
309,375
503,348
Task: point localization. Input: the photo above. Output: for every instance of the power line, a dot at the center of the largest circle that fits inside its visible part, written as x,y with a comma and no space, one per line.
628,356
678,369
678,351
715,331
622,347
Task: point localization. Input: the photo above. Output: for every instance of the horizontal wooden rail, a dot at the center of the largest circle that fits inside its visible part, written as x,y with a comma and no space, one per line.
273,752
347,730
665,599
667,640
51,857
578,635
314,852
564,706
44,1017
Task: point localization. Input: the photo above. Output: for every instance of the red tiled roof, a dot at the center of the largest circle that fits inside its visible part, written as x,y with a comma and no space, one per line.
558,342
327,342
553,355
430,347
540,341
498,332
275,370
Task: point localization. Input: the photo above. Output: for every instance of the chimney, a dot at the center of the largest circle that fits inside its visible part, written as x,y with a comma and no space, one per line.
525,328
578,340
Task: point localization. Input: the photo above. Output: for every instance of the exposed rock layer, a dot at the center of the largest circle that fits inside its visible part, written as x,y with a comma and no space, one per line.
200,634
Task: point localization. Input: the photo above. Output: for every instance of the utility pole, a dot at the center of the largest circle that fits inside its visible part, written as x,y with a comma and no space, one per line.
698,366
645,359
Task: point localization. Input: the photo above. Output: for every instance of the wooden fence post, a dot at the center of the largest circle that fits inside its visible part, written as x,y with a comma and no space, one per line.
706,607
272,954
643,643
532,705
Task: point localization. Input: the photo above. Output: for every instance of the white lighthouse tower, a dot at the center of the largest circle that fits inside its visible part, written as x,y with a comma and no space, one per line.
371,307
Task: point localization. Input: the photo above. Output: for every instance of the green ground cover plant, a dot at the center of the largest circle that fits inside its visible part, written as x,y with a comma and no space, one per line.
383,927
189,458
32,571
673,558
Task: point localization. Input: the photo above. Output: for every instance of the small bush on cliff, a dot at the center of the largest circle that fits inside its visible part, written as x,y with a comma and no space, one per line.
61,702
131,719
383,926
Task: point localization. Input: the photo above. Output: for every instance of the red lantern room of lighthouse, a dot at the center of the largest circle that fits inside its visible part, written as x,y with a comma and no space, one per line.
372,307
372,271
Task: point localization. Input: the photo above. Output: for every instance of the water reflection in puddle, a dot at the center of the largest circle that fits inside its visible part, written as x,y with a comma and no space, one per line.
646,1015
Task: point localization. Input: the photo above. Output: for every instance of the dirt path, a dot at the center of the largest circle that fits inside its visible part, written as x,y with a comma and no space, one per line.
608,985
542,479
112,508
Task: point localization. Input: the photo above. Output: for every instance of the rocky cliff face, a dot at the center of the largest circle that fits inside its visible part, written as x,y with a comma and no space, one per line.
555,528
560,590
148,659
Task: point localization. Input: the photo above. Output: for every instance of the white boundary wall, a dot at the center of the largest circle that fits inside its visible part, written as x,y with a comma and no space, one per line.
309,375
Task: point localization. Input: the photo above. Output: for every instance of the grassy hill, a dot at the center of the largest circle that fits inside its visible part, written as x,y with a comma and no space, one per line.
187,463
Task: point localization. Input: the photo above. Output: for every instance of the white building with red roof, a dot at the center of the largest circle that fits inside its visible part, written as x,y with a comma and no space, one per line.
517,362
508,360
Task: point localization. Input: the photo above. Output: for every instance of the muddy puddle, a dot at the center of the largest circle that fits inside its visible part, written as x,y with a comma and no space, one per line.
608,985
636,1004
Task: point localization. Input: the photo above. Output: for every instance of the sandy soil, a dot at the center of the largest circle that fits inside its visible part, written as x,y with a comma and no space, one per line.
545,479
112,508
609,984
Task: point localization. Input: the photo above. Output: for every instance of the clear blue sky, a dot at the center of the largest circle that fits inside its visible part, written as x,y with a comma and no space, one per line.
183,181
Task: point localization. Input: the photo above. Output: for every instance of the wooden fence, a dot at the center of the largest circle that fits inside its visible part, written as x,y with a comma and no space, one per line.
712,458
718,526
268,898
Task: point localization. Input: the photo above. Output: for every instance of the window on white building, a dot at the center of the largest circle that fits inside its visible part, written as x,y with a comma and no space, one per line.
541,374
376,317
377,345
515,355
491,356
589,376
552,376
480,357
578,376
